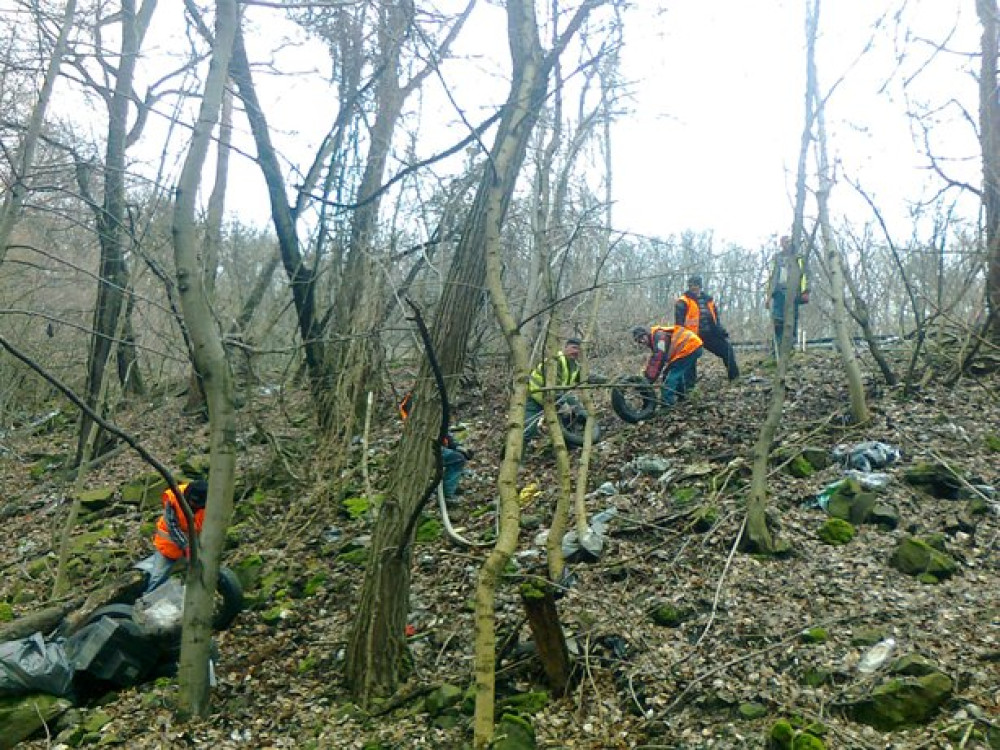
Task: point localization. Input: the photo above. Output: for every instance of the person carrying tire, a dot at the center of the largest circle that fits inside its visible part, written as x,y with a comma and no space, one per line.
567,372
697,311
171,539
675,352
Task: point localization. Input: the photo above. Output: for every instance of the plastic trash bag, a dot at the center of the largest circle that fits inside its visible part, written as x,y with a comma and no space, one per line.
869,480
590,547
866,456
161,611
30,665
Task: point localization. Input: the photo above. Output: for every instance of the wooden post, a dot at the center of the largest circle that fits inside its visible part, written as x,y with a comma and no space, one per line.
543,619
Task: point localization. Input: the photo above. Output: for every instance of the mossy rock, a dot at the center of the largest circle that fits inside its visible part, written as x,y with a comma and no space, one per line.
848,505
800,468
977,507
818,458
95,721
916,557
97,499
784,736
913,665
23,715
443,698
524,703
751,711
903,702
867,636
884,516
836,531
89,542
514,733
248,570
6,612
46,463
781,735
277,614
935,478
144,490
992,442
814,635
668,616
356,507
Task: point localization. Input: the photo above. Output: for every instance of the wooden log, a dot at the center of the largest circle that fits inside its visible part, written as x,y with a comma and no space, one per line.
42,621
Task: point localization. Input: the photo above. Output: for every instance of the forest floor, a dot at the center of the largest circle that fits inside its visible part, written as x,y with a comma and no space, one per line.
734,662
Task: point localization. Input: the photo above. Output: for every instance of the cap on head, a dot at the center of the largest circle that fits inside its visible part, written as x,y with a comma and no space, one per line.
574,341
196,494
639,333
695,281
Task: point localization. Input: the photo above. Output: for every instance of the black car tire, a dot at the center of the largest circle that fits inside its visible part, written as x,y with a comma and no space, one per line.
626,392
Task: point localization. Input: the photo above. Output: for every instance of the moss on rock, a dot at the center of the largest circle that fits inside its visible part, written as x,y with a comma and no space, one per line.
836,531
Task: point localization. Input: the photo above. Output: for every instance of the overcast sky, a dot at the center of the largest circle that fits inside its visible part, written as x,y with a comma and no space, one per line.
711,138
719,109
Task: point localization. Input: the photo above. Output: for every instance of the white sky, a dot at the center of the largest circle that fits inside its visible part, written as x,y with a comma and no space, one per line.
712,137
720,108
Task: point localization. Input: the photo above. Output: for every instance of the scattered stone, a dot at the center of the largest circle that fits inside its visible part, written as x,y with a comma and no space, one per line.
836,531
443,698
514,733
936,479
21,716
815,635
751,711
903,702
916,557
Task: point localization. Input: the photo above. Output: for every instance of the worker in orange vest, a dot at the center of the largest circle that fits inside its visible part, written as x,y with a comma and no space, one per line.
696,311
675,352
171,539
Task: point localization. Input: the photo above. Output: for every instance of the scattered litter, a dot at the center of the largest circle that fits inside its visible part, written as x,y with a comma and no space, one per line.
866,456
161,611
590,547
608,488
30,665
876,656
869,480
648,465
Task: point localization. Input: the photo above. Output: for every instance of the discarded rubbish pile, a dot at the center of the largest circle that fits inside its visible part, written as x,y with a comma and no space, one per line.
115,646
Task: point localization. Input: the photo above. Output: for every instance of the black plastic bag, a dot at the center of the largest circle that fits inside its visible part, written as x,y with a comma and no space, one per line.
30,665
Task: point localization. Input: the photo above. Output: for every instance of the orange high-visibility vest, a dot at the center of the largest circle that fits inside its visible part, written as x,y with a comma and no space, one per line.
161,539
692,317
682,341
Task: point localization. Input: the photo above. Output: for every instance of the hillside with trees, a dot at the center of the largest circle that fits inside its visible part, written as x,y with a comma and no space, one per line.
721,573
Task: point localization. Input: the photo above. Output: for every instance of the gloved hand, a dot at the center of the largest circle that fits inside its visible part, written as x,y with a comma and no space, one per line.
467,452
804,298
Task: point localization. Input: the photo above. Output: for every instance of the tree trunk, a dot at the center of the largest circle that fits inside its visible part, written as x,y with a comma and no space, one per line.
989,135
855,384
547,633
113,275
301,278
211,364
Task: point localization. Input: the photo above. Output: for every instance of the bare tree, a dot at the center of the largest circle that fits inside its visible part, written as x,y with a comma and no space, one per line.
989,139
212,366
